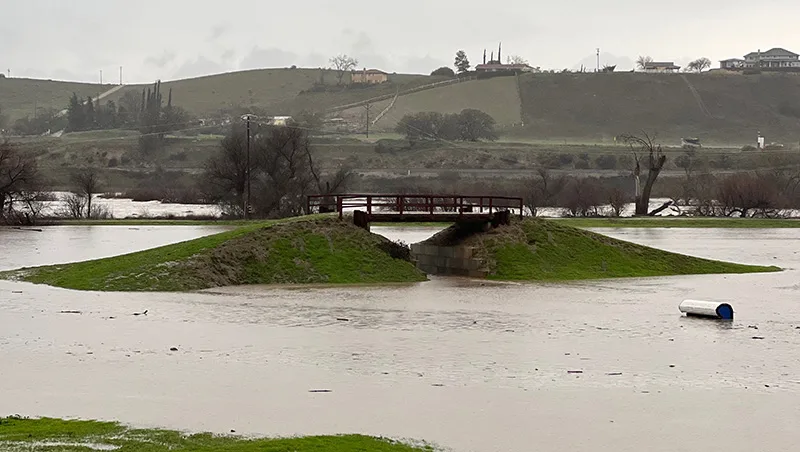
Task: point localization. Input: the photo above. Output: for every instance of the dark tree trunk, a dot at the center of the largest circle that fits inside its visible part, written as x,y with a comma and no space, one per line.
643,202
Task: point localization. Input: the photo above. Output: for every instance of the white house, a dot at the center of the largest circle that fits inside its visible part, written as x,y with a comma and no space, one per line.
773,59
661,67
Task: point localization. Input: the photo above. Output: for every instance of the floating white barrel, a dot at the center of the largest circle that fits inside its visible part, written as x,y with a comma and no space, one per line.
711,309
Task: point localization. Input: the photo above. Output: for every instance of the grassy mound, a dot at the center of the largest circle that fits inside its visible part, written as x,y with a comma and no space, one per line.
54,435
541,250
301,251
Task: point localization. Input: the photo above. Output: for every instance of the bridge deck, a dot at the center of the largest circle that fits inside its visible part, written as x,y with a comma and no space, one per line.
409,208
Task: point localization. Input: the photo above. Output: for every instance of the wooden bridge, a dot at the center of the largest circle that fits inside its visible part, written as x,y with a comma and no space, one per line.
410,208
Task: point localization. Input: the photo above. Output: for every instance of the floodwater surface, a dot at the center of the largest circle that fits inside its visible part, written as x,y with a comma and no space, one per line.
468,365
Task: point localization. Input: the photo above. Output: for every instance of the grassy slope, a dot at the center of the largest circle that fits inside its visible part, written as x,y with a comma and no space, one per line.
591,105
301,251
498,97
30,435
542,250
19,96
276,90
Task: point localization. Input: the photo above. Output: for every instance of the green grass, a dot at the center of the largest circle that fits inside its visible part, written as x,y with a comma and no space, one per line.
498,97
680,222
542,250
307,250
56,435
19,96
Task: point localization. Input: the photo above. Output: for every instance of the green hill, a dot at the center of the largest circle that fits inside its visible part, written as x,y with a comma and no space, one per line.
20,96
541,250
301,251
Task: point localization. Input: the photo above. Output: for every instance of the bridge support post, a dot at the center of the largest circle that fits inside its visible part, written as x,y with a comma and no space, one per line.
361,219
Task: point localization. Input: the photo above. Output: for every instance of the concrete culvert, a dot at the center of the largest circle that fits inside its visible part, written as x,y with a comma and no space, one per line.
707,309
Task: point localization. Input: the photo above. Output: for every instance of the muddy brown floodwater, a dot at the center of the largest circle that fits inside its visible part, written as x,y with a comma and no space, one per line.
588,366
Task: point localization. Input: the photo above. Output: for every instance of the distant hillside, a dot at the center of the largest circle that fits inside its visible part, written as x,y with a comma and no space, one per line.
728,107
20,96
279,91
717,107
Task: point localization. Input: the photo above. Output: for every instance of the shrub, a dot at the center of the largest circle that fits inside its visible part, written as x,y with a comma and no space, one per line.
444,71
582,165
112,162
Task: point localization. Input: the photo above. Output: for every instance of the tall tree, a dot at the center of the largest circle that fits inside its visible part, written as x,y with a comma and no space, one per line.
462,62
89,114
343,64
76,114
150,119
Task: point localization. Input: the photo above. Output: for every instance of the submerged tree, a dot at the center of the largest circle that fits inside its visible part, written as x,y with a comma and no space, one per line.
647,148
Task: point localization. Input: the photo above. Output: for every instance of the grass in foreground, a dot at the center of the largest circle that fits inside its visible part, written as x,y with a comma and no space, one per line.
56,435
311,250
543,250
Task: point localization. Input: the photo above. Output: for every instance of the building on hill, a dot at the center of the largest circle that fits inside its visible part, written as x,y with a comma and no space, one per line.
660,67
777,59
369,77
496,65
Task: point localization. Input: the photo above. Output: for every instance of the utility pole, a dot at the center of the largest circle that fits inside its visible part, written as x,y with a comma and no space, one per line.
598,59
101,76
120,75
367,107
247,119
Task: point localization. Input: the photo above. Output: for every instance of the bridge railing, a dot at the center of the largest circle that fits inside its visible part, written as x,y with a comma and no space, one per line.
411,204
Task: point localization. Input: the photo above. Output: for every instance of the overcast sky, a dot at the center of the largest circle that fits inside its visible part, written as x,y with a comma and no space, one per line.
168,39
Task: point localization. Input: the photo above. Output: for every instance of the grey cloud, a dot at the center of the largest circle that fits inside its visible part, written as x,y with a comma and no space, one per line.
259,58
217,32
160,61
422,65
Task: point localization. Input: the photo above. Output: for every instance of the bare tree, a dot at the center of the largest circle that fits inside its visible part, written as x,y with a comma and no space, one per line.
542,190
226,172
87,184
283,172
516,59
618,200
343,64
643,61
749,195
20,181
656,159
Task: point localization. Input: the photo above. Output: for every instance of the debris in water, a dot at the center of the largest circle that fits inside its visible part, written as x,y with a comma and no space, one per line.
320,391
614,374
16,291
173,349
672,366
438,385
753,327
342,319
758,338
574,371
233,431
71,312
141,313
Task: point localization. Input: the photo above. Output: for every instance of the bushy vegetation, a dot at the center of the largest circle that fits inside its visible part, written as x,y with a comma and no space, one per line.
469,125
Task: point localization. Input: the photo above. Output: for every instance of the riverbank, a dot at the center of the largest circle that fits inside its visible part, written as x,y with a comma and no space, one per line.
534,249
305,250
53,435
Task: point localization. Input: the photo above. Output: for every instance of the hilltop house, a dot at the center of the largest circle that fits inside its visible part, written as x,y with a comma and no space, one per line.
659,67
497,65
774,59
369,77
